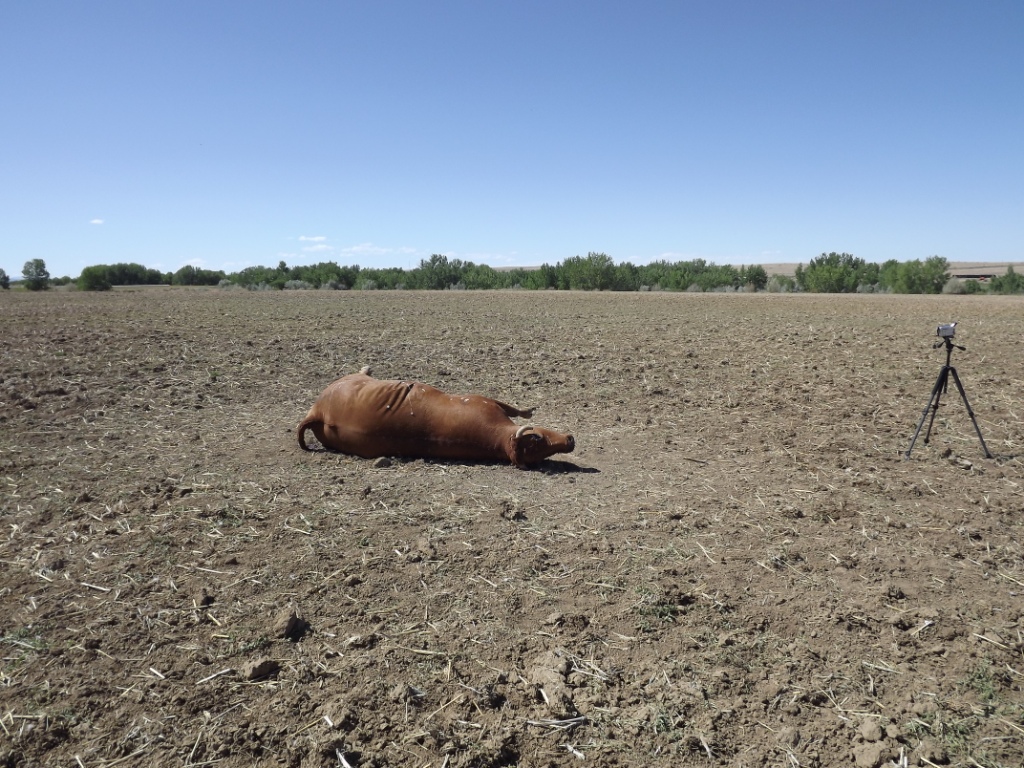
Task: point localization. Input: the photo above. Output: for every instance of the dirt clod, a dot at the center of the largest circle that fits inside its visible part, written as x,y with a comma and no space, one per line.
260,669
290,625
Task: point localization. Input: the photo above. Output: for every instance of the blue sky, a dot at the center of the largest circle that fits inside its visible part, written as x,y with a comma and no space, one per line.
227,134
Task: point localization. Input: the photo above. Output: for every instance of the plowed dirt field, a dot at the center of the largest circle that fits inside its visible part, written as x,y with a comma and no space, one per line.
737,566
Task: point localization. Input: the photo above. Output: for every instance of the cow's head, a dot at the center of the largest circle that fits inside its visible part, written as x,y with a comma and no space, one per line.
533,444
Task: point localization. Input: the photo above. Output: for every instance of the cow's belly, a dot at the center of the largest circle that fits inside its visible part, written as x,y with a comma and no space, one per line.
415,435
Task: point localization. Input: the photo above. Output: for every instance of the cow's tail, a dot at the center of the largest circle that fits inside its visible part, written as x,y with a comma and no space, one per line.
300,431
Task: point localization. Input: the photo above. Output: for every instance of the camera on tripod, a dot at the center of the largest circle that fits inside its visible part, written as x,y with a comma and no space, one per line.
945,333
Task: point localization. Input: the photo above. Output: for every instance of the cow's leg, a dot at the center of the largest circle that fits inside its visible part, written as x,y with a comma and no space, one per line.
523,413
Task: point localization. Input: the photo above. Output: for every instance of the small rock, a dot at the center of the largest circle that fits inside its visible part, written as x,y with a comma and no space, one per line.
895,592
789,736
290,625
361,641
547,674
382,463
930,752
405,693
871,755
260,669
870,730
510,510
424,548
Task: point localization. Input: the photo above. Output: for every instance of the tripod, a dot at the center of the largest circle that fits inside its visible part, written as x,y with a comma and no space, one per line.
937,391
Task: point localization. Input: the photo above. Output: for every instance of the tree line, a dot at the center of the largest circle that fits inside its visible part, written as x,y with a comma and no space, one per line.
827,273
845,273
593,272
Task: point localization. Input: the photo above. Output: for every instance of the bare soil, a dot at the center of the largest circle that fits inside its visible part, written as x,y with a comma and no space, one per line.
736,567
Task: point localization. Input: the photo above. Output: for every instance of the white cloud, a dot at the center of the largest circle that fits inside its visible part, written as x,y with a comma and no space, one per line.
366,249
512,259
312,238
369,249
96,221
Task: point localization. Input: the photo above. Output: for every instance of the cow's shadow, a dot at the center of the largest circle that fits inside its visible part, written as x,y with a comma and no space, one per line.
551,467
547,466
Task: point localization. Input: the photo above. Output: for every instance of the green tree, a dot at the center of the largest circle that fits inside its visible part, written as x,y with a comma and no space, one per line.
910,278
5,281
1011,282
190,275
655,275
888,275
95,278
831,273
755,276
593,273
535,279
929,276
867,277
436,274
480,277
934,274
35,275
781,284
625,277
133,274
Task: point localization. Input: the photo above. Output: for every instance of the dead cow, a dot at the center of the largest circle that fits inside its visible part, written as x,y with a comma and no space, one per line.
364,416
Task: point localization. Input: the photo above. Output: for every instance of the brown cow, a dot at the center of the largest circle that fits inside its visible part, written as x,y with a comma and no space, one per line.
360,415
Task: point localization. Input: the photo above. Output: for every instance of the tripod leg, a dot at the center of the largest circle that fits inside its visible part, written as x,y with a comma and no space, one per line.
963,396
940,384
940,389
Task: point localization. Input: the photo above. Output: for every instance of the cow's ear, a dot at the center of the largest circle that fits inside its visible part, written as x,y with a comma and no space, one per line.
516,447
522,443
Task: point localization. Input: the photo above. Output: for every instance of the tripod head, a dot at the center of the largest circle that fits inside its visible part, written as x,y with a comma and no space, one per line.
948,341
